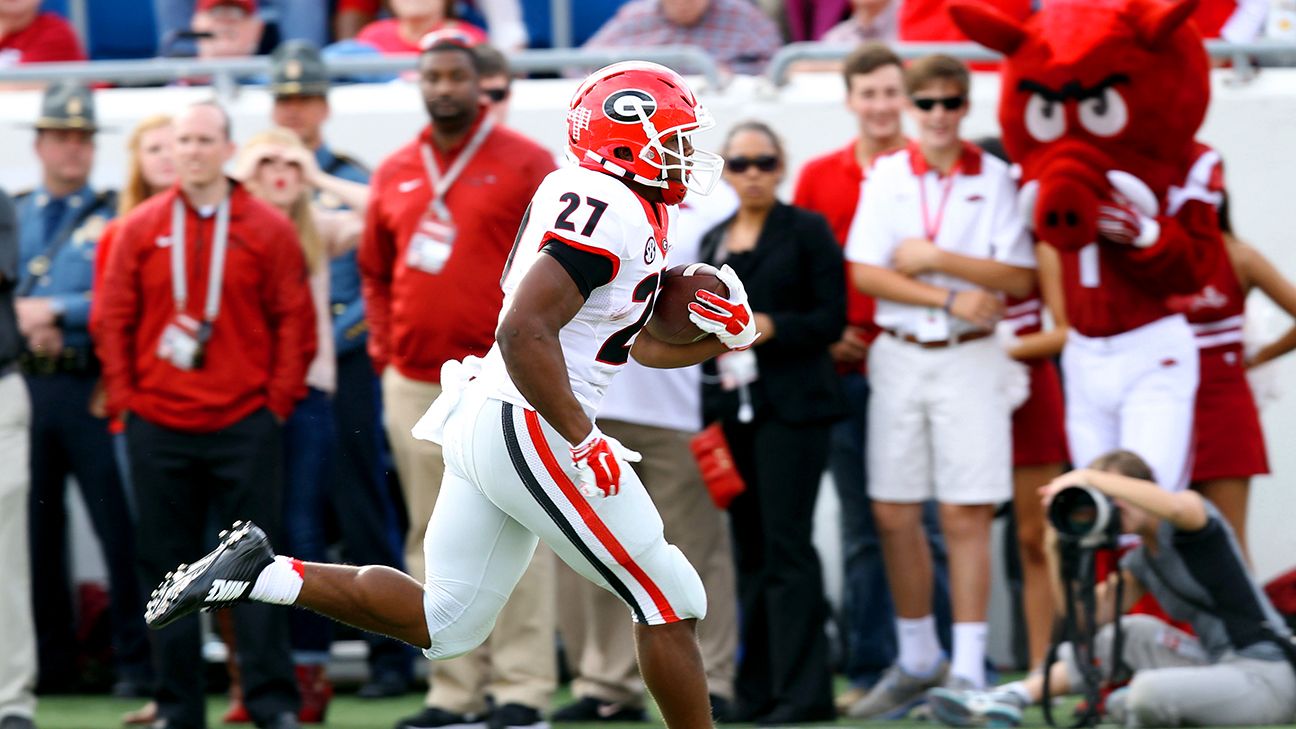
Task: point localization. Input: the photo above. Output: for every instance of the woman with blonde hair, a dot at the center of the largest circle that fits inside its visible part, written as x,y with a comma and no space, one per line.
278,168
150,169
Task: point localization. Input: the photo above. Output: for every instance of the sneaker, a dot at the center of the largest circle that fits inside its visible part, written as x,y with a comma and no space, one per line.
590,709
433,718
923,712
222,578
146,714
14,721
384,685
849,698
517,716
236,713
286,720
964,708
1117,706
316,691
896,694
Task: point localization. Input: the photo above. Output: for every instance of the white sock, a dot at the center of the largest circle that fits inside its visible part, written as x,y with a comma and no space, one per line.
969,652
920,651
280,582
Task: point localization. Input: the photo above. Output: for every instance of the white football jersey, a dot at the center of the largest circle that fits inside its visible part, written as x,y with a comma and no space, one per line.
593,212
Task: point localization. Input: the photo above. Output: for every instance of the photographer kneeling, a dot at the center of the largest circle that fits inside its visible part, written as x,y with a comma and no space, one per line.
1236,671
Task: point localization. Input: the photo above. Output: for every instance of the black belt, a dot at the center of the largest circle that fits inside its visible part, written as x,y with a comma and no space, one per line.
67,362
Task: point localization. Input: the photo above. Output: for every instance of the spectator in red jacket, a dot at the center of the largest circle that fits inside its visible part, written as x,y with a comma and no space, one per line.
443,214
503,18
29,36
413,20
205,369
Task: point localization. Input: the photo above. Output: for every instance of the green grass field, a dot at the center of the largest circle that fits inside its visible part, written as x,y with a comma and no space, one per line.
345,712
348,712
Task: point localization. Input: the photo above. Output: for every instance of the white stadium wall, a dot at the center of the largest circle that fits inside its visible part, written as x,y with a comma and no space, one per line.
1252,123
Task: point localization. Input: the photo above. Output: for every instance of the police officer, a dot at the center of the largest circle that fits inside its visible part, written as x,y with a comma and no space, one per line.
361,498
59,224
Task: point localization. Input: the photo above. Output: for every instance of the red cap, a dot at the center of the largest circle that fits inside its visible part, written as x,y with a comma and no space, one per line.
247,6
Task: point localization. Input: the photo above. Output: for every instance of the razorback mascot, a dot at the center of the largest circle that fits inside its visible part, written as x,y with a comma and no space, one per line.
1100,103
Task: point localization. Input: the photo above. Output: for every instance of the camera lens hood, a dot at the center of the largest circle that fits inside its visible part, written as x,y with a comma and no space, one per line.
1082,514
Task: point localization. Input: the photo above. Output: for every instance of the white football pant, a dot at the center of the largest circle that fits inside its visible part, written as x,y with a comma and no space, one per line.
1135,391
509,481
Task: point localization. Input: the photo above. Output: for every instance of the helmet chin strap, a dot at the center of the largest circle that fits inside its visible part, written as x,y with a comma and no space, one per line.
616,170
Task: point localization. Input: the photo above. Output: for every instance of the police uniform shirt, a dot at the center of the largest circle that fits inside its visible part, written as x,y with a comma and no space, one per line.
67,275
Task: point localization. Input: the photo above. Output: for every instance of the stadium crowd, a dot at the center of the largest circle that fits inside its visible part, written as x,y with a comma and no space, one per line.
251,334
740,33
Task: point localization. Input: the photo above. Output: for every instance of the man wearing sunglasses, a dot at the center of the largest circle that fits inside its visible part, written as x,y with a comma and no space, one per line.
445,211
937,240
496,81
830,185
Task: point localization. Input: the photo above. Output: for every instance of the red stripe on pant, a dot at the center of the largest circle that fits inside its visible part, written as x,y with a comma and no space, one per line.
592,520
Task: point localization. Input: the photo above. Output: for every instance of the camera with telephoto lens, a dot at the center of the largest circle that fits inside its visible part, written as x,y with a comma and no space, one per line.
1085,516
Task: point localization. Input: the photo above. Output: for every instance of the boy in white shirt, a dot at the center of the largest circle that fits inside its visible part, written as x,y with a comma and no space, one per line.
936,240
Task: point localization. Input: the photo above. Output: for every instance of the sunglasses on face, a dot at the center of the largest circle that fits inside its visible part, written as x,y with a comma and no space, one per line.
764,163
951,103
496,95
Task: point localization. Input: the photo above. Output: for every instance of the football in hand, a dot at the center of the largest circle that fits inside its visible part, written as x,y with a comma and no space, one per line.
670,318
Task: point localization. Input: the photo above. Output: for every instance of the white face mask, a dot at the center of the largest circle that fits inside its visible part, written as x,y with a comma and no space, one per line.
701,168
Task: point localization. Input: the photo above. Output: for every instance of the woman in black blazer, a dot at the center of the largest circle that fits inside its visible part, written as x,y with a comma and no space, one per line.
778,429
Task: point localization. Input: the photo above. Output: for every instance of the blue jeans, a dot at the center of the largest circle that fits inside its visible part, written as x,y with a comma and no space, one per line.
868,617
310,439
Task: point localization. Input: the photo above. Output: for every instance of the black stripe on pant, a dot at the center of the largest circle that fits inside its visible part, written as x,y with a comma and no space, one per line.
555,513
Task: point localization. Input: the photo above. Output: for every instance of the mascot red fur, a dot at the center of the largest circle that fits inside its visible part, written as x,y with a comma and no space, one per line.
1099,105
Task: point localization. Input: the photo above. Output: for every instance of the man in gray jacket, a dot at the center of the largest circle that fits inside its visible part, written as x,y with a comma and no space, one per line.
1238,668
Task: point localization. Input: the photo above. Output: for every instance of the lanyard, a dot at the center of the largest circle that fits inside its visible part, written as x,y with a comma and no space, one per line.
180,278
932,227
441,182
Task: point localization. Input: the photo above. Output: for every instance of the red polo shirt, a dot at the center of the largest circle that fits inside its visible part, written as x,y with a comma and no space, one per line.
48,38
419,320
261,342
385,35
830,185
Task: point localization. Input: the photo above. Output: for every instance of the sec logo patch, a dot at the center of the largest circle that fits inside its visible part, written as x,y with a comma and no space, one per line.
650,250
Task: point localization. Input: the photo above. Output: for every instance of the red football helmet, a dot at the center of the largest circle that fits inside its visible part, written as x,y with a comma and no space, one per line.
643,107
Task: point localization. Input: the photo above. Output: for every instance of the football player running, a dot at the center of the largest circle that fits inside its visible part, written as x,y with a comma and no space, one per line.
524,457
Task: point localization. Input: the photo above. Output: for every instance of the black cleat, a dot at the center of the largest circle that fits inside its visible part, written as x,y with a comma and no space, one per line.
222,578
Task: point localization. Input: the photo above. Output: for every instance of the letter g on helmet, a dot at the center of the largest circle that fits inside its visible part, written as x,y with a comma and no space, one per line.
649,110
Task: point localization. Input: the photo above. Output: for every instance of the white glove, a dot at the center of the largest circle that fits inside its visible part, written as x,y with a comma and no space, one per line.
731,320
598,463
1129,218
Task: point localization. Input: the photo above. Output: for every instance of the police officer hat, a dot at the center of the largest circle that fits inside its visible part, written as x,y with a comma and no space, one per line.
68,105
298,70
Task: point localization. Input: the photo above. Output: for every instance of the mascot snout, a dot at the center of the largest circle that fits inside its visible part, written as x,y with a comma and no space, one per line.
1066,202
